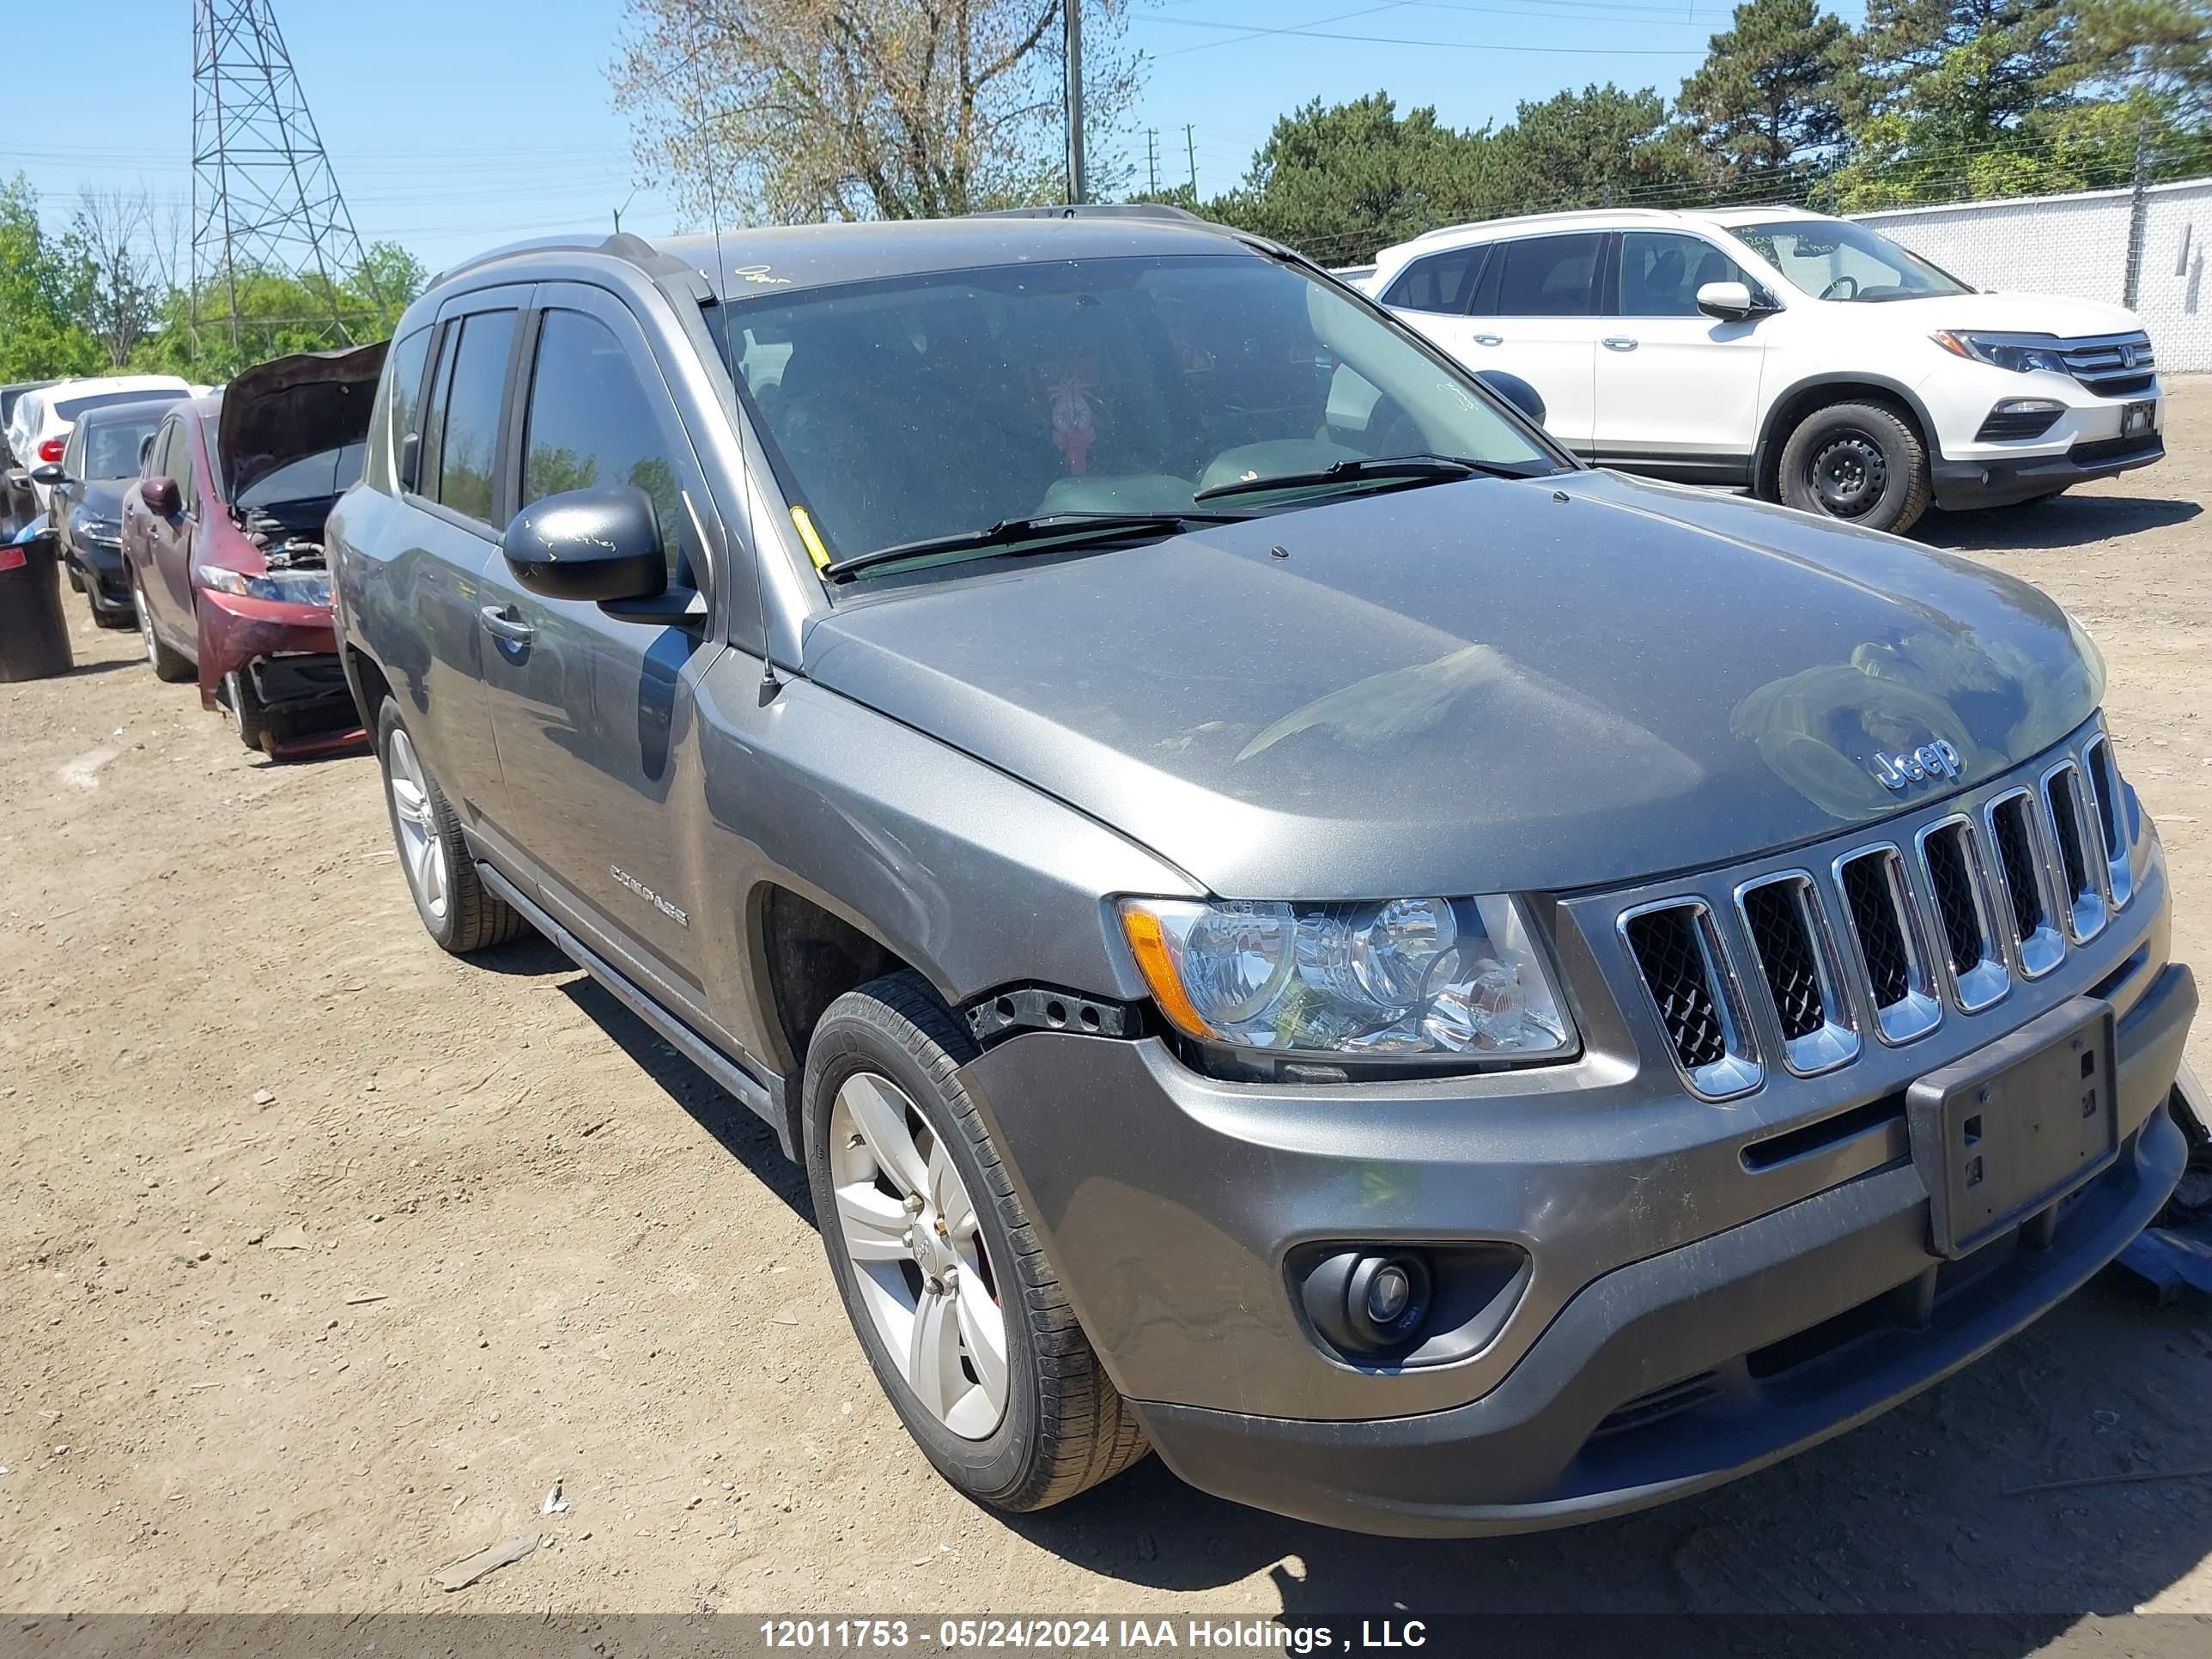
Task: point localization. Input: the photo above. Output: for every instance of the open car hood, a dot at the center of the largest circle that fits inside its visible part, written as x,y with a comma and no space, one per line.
289,408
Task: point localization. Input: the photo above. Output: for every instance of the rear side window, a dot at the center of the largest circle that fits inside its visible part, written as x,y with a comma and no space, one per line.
1661,272
592,423
403,405
1441,282
1550,276
468,435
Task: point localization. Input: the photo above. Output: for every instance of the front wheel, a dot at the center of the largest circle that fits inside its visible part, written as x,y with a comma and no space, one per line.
242,707
1861,463
941,1269
460,913
174,666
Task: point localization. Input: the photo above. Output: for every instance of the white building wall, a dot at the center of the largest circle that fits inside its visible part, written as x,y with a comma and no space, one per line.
2078,244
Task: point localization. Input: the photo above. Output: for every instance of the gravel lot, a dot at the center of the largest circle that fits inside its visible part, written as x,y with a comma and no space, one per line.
487,1233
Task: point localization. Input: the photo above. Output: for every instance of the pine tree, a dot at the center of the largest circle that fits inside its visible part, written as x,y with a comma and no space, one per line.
1769,90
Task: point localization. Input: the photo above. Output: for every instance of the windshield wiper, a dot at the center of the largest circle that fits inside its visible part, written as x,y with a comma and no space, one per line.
1416,469
1063,529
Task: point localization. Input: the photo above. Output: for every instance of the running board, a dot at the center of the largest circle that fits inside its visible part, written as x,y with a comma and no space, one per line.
688,1042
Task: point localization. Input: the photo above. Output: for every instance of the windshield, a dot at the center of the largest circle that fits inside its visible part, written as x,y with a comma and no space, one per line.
1831,259
110,447
931,405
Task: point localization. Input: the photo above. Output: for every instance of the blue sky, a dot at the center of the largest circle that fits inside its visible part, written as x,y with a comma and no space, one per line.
456,123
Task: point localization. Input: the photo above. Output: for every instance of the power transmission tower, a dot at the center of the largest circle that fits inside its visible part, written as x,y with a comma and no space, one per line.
264,196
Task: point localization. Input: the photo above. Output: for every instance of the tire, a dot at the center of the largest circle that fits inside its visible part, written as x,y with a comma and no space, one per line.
1860,462
458,911
172,666
116,620
242,707
1062,1427
75,579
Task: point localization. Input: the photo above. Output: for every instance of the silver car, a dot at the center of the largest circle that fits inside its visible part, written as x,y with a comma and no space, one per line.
1290,922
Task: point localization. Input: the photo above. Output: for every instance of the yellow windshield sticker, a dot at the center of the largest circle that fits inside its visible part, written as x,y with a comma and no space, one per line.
810,537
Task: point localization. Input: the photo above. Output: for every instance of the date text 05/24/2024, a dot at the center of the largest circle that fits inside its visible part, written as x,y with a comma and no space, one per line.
955,1635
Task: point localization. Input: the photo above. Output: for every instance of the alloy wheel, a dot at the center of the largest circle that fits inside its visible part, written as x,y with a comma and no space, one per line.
421,849
910,1231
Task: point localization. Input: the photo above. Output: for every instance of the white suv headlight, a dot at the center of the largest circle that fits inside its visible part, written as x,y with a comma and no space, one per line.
1406,979
2021,353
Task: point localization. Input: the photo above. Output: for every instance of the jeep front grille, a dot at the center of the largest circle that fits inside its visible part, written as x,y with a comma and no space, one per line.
2111,364
1679,955
1797,965
2019,839
2082,885
1879,904
1974,955
1892,932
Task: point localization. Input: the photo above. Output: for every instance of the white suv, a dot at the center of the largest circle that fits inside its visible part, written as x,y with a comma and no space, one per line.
1803,356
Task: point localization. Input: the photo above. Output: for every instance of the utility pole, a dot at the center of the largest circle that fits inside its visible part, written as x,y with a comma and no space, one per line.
1071,11
624,208
1190,148
264,195
2138,213
1152,161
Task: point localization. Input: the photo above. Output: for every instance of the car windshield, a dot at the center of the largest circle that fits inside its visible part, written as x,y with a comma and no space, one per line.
934,406
1831,259
110,447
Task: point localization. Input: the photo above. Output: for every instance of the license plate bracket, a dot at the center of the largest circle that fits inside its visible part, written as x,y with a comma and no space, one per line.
2138,417
2012,1129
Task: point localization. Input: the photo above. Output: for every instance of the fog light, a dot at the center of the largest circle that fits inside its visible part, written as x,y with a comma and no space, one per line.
2020,417
1366,1301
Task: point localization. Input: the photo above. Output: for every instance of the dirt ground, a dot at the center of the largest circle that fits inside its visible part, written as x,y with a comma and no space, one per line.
326,1256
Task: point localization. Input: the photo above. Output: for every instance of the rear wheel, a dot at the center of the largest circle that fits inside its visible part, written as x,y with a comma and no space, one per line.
171,665
961,1319
1861,463
460,912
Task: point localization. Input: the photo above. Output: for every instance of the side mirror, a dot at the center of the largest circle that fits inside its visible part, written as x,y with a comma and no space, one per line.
1731,302
593,545
52,473
1516,390
161,497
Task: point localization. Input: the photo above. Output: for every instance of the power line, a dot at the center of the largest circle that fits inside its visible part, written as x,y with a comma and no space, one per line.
1249,31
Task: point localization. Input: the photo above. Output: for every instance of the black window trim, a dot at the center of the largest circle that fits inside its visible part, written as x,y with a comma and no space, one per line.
710,530
514,297
1479,253
1606,237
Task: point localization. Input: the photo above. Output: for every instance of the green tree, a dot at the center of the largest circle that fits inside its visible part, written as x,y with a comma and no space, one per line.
1769,90
40,338
1598,146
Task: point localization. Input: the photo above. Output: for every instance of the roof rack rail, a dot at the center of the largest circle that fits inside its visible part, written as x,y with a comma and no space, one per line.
1094,210
625,245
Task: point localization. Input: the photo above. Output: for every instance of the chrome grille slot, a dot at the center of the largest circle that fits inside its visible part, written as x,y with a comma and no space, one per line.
1798,963
2081,893
2111,819
1972,954
1879,907
1678,954
2030,905
2111,365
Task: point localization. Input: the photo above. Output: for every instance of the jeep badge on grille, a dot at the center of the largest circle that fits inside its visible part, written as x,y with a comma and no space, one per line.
1931,760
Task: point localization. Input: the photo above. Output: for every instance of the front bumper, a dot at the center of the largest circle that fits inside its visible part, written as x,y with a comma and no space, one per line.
2084,443
1691,1369
106,583
290,650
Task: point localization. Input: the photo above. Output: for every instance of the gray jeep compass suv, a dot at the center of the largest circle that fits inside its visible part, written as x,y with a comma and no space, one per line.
1290,922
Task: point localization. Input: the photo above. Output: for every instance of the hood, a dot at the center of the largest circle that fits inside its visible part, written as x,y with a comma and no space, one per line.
2011,313
102,498
289,408
1482,686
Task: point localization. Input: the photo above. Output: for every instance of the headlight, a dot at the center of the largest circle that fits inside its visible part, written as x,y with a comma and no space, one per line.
2019,352
291,587
105,531
1408,979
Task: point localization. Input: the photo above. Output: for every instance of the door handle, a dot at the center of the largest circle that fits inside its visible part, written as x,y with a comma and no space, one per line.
1619,342
513,629
1490,339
